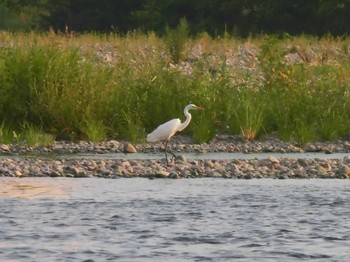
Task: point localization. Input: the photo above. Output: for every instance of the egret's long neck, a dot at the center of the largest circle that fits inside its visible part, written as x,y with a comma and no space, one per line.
187,121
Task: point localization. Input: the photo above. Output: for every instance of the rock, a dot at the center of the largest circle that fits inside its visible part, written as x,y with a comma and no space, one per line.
213,173
78,171
4,147
344,170
209,163
234,168
238,162
106,172
247,176
114,143
342,176
346,159
125,164
18,173
300,173
184,173
282,176
326,165
100,149
303,162
181,158
321,169
122,170
129,148
328,151
273,159
174,176
164,174
54,174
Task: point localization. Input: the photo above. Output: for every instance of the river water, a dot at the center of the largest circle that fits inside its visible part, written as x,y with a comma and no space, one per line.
207,219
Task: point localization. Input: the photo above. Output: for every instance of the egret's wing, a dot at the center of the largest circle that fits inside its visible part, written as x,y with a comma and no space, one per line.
164,131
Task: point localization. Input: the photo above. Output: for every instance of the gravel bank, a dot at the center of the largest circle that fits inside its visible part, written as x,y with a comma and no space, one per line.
271,167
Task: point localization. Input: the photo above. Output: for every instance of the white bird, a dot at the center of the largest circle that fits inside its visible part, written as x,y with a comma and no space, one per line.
165,131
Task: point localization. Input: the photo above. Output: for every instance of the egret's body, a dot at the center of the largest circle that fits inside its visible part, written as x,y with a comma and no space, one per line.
165,131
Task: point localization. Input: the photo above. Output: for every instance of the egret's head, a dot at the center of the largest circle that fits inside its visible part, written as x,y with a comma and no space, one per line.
194,107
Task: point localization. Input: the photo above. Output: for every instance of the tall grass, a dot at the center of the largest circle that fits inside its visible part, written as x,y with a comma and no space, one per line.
97,87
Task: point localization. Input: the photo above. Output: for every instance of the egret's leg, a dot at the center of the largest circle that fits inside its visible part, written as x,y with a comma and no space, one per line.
166,155
174,156
166,150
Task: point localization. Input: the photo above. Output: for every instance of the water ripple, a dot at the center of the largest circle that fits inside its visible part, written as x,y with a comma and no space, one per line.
187,220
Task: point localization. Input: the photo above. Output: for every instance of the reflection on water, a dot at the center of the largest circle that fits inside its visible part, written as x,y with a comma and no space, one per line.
34,188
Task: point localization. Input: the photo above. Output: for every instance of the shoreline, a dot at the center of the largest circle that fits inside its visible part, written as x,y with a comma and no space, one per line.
228,144
270,167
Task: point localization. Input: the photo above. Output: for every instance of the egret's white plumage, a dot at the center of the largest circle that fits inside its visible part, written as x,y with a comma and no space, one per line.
165,131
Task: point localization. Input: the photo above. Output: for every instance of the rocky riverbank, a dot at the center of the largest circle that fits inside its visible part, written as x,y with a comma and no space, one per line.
15,162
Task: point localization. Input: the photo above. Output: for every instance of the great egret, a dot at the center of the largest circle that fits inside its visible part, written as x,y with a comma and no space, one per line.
165,131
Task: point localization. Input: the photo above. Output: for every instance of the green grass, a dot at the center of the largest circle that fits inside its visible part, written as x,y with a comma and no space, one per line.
98,87
29,135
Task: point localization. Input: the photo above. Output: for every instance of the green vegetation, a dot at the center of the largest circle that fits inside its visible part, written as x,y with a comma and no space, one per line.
175,40
235,17
98,87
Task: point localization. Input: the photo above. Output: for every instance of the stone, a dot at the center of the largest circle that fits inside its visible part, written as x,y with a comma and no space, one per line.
328,151
209,163
181,158
300,174
321,169
174,176
164,173
5,147
129,148
282,176
247,176
214,173
54,174
342,176
100,149
303,162
17,173
326,165
122,170
234,168
344,170
346,159
273,159
78,171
